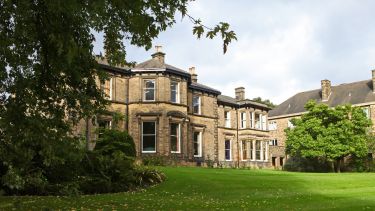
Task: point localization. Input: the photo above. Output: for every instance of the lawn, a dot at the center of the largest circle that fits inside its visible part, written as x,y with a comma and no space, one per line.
226,189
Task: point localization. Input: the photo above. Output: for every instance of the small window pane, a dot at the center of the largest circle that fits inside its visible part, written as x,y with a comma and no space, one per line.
227,149
149,84
148,143
196,104
148,127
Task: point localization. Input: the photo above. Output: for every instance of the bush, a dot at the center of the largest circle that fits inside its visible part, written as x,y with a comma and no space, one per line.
155,160
301,164
146,176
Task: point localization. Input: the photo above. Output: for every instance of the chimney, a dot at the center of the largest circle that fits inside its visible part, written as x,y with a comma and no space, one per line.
373,81
194,76
326,89
240,93
158,55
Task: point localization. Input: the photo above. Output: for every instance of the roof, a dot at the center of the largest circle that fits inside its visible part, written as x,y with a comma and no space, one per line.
156,65
204,88
223,99
349,93
103,63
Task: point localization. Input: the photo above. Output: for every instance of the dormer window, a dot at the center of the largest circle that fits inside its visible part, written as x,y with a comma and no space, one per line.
149,90
175,89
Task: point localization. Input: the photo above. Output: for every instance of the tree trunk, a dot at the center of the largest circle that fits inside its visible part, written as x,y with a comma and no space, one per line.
338,165
332,166
88,133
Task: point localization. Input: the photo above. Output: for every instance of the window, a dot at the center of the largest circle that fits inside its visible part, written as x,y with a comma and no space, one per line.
104,124
258,118
196,104
148,137
149,90
175,137
197,140
264,122
243,119
251,150
251,119
244,150
107,89
367,112
175,89
272,125
227,118
228,153
290,124
258,149
273,142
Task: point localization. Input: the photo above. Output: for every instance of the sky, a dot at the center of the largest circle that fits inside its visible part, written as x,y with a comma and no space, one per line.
284,46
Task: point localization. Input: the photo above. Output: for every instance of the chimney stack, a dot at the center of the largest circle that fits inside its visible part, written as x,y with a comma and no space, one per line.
326,89
159,55
240,93
373,81
194,76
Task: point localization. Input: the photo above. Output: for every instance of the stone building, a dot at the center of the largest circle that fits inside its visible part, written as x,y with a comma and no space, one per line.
360,93
168,113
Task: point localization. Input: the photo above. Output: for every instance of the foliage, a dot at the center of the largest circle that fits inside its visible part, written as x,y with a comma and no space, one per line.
190,188
329,133
155,160
301,164
265,101
48,72
146,176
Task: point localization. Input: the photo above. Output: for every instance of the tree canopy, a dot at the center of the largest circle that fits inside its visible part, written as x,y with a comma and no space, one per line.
48,72
264,101
329,133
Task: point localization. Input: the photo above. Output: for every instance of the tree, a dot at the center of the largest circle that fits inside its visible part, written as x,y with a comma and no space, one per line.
329,133
49,75
266,102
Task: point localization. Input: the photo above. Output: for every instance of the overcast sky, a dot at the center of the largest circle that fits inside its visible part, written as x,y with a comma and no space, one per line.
283,47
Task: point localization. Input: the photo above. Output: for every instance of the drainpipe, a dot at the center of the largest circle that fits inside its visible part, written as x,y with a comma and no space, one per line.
127,107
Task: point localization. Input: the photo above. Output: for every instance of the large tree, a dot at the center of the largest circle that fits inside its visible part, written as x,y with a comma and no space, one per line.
48,71
329,133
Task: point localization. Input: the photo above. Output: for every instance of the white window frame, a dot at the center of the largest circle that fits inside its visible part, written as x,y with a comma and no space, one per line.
227,119
367,112
199,142
258,124
242,150
290,124
142,135
178,137
243,119
264,122
230,150
146,89
199,104
272,125
177,91
273,142
260,150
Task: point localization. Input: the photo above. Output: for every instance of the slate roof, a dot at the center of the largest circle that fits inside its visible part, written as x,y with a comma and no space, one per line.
349,93
204,88
117,69
156,65
223,99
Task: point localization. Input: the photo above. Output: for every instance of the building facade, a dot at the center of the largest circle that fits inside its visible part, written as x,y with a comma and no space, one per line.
360,93
168,113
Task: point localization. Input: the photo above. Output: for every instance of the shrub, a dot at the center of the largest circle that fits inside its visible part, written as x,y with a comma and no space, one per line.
155,160
146,176
306,164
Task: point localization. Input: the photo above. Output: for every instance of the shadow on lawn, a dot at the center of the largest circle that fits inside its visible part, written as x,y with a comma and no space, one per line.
228,189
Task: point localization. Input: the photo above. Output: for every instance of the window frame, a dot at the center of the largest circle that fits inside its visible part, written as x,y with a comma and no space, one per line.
230,150
199,143
243,119
244,149
198,104
155,135
227,119
144,89
177,91
178,136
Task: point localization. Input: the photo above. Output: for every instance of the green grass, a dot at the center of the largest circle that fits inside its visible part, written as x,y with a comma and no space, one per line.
226,189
